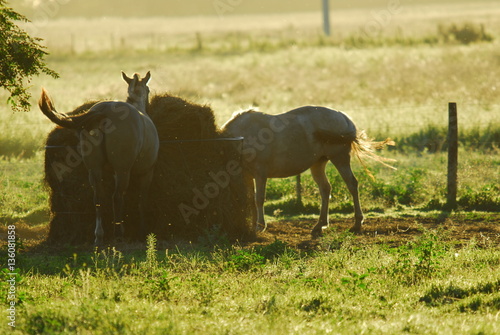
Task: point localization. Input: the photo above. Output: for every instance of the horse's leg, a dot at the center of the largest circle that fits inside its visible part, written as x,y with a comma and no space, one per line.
319,176
260,195
122,179
144,183
95,178
343,164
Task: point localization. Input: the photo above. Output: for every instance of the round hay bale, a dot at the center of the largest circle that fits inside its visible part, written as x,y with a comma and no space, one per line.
198,182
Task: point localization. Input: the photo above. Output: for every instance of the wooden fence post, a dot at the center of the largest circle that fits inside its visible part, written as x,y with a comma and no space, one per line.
451,201
298,190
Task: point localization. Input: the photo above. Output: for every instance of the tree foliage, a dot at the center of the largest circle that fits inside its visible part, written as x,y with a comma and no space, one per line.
21,58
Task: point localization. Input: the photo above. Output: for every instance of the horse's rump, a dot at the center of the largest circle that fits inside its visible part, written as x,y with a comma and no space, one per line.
90,120
329,137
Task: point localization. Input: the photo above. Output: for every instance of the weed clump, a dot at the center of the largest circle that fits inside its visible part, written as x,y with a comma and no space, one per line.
465,33
485,199
254,258
419,259
482,296
245,260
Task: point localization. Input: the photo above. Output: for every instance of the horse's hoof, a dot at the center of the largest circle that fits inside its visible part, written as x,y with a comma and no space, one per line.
318,230
316,233
355,230
260,228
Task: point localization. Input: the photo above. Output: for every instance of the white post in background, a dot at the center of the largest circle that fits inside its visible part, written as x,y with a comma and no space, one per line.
326,17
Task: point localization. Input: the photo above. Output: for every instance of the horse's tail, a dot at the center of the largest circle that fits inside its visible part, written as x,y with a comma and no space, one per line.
362,146
47,108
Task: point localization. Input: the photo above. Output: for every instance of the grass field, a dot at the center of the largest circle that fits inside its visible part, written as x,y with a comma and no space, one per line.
423,287
394,77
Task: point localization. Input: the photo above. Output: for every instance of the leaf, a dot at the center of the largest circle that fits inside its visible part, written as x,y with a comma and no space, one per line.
21,58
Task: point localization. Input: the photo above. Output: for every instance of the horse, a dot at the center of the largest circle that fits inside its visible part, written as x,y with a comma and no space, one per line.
287,144
120,135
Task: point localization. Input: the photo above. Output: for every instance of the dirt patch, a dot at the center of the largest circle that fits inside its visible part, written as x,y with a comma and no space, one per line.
391,231
387,230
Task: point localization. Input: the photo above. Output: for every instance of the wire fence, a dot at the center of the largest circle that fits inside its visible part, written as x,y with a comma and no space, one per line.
424,128
451,172
472,109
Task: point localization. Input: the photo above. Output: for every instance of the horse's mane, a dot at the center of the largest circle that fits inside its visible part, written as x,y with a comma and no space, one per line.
246,111
238,114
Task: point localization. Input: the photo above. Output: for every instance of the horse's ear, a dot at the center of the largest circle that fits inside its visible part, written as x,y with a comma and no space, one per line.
127,79
147,77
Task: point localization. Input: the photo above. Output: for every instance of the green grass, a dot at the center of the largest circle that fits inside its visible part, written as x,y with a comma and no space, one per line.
406,187
25,197
424,287
393,84
389,88
387,91
22,193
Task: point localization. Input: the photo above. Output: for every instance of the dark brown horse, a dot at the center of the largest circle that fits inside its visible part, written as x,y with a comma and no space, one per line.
118,134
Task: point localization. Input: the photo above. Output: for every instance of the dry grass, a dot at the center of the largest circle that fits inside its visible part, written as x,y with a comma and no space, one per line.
280,61
274,61
95,33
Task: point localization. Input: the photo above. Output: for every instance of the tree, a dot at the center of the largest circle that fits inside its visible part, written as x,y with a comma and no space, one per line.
21,58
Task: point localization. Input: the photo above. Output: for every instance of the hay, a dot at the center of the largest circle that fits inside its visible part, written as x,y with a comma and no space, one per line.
198,183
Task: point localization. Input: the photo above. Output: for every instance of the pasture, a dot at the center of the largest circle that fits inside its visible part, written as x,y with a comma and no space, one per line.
416,269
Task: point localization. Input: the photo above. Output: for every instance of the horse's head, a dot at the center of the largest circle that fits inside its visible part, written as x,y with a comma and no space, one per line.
138,90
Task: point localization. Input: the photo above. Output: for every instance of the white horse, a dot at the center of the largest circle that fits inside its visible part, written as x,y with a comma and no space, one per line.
283,145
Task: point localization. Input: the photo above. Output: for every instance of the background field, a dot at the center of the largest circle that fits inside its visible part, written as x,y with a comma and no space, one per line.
394,74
